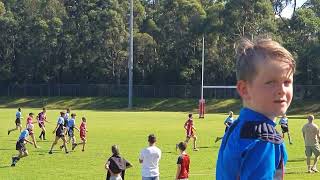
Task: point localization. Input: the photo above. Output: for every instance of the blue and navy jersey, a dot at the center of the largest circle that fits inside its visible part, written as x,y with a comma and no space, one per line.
283,120
18,115
66,116
229,120
71,123
23,135
254,147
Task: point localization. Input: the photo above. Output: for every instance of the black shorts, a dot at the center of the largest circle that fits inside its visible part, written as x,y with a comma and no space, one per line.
59,133
284,128
70,132
20,146
41,125
18,122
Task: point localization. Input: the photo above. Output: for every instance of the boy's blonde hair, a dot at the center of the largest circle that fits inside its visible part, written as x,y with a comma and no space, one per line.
250,53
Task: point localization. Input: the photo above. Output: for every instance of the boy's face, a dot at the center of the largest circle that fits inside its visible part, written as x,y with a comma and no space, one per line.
271,90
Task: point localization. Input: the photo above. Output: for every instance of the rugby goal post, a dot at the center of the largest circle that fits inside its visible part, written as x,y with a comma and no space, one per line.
202,100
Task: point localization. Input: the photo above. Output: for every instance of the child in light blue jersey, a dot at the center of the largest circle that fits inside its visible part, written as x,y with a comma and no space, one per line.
228,122
18,122
20,145
284,127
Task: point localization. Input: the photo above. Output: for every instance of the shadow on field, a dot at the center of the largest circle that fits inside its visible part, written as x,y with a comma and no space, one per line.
297,160
3,149
169,152
296,172
298,117
204,147
4,166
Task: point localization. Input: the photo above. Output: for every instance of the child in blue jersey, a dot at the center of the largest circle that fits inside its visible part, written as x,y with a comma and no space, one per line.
284,127
71,127
60,133
17,121
20,145
228,122
252,148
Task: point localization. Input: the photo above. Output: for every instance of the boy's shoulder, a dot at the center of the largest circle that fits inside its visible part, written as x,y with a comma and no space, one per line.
260,130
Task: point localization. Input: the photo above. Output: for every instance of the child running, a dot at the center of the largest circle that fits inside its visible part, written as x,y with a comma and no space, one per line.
228,122
190,131
284,127
71,127
83,134
20,145
42,117
59,130
30,123
18,122
183,163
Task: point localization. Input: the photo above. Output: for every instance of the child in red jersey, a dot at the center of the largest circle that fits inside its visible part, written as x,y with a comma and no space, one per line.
190,132
183,162
83,134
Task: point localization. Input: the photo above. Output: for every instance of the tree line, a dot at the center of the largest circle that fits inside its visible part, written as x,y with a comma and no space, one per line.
86,41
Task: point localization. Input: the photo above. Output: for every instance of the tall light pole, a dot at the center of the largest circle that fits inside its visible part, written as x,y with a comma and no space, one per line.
130,61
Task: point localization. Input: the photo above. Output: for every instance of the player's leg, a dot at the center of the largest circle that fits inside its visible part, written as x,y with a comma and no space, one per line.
34,140
43,132
84,142
308,152
18,126
65,144
195,143
289,137
54,143
187,139
316,152
218,139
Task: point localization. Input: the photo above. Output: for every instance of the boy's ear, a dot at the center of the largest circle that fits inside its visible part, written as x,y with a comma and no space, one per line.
242,88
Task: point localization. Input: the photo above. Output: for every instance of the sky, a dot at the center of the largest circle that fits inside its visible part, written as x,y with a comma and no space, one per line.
287,12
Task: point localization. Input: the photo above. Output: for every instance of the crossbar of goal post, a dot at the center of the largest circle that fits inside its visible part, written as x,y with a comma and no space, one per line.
202,101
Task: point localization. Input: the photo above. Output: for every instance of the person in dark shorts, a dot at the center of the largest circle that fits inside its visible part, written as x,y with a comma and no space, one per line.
59,131
21,147
42,118
17,121
284,127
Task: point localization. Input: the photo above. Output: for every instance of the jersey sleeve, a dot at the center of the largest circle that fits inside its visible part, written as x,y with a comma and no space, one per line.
141,155
259,162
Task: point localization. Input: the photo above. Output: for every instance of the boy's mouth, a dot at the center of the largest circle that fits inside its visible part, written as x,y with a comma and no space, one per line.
279,101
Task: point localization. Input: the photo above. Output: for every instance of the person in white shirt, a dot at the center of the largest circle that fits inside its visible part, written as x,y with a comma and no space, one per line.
149,159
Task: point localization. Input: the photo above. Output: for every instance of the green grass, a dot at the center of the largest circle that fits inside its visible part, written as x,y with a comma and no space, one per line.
129,130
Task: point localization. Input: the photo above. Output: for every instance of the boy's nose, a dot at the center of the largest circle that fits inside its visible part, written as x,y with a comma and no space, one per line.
281,89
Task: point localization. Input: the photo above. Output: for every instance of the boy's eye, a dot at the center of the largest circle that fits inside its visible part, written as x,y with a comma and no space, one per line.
287,82
269,82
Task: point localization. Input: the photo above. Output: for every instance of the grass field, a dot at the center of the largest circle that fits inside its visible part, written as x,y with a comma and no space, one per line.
129,130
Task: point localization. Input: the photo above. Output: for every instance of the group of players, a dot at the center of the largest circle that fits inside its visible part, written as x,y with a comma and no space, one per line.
65,127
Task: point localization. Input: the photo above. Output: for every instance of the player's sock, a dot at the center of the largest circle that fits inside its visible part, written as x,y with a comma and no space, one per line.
44,135
40,137
74,146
